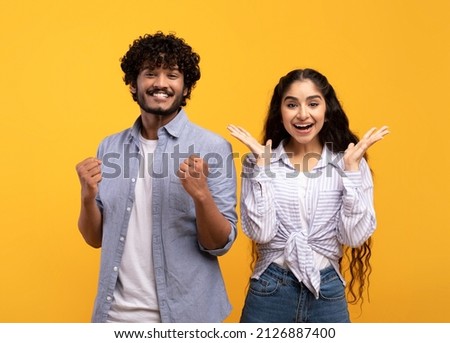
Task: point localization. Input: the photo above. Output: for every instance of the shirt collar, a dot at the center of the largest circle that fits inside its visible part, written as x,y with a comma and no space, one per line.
173,128
327,156
177,124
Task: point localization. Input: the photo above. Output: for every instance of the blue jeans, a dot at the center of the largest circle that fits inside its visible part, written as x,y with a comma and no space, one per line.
278,297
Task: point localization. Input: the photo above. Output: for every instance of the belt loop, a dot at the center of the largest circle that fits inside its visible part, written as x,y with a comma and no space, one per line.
285,276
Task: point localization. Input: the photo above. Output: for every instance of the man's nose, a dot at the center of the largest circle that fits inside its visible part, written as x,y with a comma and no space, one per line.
160,81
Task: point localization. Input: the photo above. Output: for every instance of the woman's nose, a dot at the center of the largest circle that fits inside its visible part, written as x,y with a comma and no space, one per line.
302,113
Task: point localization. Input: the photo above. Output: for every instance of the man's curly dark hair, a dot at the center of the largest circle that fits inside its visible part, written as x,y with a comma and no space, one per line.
161,50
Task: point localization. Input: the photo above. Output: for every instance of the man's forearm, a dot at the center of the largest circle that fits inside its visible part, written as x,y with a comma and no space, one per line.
90,224
213,229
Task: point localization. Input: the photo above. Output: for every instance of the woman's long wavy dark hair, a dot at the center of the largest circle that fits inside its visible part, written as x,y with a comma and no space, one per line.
337,135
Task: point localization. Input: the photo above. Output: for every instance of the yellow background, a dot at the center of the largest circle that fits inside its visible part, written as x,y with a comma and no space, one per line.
61,92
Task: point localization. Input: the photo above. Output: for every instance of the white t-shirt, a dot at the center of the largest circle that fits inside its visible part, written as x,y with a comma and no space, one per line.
135,298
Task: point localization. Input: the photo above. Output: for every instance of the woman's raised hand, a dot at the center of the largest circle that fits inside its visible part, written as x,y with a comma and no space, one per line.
355,152
261,152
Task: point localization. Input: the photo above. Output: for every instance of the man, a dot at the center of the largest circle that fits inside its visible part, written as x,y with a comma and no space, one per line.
160,198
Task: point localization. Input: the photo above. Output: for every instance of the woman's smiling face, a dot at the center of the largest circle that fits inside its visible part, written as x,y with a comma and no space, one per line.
303,110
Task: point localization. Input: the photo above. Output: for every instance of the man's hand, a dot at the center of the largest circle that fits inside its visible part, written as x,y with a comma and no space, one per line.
90,174
193,173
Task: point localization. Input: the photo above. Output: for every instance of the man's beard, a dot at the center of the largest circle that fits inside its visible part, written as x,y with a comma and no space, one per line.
158,110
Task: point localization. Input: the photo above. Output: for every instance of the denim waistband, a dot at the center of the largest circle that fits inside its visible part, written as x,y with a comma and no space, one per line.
287,277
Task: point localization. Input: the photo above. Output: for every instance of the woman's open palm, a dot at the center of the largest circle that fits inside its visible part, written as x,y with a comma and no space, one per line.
261,152
355,152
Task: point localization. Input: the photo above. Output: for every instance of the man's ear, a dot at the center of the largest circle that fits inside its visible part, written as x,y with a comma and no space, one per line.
132,88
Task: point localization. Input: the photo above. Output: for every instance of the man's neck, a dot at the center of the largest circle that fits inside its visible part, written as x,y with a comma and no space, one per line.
151,124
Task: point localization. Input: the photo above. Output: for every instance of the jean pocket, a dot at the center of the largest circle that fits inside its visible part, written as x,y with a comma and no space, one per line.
264,286
332,289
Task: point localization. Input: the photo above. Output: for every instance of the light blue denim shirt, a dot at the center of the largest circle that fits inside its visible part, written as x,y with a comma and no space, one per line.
189,282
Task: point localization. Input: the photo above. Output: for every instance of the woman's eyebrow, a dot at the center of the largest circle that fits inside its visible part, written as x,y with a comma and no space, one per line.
290,97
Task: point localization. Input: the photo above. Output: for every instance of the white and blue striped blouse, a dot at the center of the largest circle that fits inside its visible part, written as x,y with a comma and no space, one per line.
338,208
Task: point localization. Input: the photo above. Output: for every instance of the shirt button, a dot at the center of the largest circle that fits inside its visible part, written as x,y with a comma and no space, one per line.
128,209
133,180
108,298
122,238
116,269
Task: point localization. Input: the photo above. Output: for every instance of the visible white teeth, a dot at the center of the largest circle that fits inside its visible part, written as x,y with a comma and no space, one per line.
161,95
303,126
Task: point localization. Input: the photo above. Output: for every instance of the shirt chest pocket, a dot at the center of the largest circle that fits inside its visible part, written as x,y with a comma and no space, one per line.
329,203
179,199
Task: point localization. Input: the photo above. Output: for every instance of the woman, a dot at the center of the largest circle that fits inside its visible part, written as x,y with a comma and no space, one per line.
307,194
